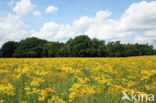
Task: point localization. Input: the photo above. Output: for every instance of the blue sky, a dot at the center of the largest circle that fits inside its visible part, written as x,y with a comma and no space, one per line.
58,20
69,10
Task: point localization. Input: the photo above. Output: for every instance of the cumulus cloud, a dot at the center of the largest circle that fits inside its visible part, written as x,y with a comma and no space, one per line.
51,9
99,26
145,39
142,17
84,23
54,31
148,37
23,7
12,28
37,13
139,17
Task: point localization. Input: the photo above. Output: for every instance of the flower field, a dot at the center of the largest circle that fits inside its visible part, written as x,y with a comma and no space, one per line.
75,80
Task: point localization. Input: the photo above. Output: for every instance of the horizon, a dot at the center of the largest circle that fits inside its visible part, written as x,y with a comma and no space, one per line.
60,20
74,38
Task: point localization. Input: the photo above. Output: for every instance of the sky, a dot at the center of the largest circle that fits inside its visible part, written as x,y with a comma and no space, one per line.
130,21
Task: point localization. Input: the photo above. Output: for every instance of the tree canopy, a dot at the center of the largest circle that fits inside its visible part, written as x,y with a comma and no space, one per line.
30,47
8,49
80,46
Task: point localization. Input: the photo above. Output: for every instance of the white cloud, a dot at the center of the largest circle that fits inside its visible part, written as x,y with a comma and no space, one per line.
84,23
99,26
53,31
145,39
151,33
148,37
23,7
139,17
37,13
51,9
12,28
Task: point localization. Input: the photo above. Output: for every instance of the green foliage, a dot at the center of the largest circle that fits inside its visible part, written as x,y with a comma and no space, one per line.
115,49
80,46
98,48
30,47
53,48
8,48
63,52
1,53
138,49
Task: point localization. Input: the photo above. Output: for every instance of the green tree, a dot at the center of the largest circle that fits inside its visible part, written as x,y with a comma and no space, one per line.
129,49
115,49
63,52
53,48
8,48
98,48
30,47
1,53
79,46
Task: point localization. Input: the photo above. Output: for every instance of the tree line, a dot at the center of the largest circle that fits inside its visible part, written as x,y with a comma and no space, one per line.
80,46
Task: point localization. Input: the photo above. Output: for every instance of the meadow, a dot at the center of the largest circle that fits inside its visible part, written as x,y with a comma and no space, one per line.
76,80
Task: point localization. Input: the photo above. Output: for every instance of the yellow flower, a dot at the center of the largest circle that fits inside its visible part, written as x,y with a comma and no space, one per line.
56,99
24,102
36,81
7,89
2,101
